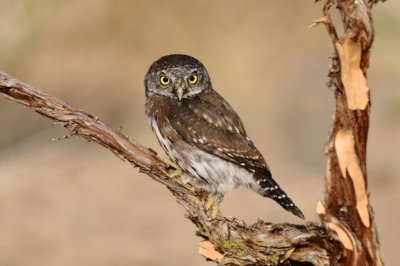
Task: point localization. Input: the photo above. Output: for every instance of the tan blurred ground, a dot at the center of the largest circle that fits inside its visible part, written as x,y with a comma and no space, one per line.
71,202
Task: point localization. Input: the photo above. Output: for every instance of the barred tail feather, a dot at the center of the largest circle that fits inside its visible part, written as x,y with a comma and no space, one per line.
271,189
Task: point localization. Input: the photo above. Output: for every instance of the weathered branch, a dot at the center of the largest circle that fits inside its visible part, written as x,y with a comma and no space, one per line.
348,234
346,209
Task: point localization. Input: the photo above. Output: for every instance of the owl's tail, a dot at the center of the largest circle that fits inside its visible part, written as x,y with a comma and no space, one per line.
271,189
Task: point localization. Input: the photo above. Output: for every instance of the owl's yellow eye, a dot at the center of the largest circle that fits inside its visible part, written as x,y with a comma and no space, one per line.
193,79
164,80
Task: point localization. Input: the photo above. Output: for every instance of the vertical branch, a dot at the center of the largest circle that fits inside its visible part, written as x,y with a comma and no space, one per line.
346,209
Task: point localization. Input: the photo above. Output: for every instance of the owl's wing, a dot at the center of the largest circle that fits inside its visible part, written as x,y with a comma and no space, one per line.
209,123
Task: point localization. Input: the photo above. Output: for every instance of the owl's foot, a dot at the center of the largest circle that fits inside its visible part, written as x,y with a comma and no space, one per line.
177,170
212,207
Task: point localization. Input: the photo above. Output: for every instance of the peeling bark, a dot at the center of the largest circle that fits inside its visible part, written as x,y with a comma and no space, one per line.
346,206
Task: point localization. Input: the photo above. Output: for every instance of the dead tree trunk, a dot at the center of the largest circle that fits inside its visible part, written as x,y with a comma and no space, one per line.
347,235
346,209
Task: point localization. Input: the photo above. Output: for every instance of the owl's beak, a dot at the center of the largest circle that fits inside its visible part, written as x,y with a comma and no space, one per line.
179,92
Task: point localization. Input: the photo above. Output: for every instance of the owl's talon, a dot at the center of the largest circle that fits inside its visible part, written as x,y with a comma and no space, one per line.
177,172
212,208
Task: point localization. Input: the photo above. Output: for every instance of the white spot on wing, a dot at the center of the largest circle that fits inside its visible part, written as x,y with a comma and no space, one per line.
206,117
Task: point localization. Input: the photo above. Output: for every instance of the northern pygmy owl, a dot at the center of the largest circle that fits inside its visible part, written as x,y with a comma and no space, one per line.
201,132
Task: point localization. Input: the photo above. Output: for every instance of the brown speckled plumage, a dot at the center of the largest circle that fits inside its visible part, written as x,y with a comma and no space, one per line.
202,134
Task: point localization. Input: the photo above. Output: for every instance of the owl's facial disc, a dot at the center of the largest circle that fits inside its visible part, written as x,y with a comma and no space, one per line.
181,83
177,77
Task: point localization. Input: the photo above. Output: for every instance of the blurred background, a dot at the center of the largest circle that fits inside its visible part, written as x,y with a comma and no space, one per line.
70,202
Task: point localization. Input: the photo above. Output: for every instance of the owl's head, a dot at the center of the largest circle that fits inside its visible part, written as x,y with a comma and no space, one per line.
177,77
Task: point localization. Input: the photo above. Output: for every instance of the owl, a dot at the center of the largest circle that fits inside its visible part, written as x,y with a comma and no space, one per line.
202,134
